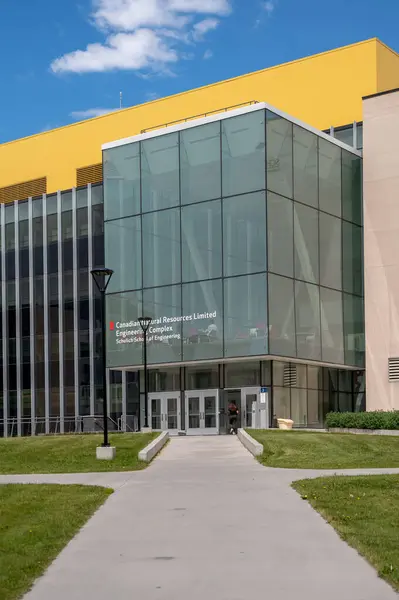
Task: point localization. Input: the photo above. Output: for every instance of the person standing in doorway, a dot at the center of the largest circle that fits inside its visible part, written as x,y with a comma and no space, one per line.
233,417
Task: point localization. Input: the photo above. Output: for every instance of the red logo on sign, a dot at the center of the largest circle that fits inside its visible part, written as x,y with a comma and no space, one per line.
111,326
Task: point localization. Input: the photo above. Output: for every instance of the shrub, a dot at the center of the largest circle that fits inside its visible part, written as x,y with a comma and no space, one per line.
364,420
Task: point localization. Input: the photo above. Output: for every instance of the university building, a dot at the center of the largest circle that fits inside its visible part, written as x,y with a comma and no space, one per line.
233,216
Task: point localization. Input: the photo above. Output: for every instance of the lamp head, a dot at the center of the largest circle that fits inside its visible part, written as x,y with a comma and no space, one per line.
145,322
102,278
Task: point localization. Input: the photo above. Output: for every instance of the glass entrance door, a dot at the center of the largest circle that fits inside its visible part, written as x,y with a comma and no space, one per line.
164,411
202,412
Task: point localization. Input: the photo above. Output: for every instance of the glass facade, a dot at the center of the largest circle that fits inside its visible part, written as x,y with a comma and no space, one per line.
50,322
248,243
241,238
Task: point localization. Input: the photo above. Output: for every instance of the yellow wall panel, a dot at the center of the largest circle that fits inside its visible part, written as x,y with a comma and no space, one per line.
322,90
387,68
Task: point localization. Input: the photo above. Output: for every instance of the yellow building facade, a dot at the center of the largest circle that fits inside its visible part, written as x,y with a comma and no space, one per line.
323,90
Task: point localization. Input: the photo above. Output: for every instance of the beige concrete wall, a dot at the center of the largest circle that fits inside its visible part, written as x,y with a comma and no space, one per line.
381,246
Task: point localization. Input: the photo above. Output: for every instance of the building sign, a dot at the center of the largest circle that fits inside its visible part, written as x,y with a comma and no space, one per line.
162,330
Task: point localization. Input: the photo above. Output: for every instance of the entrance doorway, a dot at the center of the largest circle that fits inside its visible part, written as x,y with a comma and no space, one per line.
202,412
253,405
164,411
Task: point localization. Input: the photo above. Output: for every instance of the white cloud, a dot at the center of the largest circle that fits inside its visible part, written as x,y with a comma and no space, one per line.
91,112
207,54
201,28
143,34
269,6
138,50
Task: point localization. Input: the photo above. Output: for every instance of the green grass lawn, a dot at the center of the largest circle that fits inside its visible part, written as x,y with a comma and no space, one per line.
71,453
308,450
364,511
36,522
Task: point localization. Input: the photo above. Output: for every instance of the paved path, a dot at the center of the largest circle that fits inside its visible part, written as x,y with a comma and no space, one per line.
205,522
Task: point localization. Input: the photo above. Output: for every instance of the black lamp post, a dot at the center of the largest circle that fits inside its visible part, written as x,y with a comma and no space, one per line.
102,278
145,322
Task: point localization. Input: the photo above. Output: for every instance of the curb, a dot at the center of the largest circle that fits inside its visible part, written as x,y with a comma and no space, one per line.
148,453
364,431
249,443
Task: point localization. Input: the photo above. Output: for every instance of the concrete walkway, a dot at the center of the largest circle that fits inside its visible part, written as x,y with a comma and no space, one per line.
205,522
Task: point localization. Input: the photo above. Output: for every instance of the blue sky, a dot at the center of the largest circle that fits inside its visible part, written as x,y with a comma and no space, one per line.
63,60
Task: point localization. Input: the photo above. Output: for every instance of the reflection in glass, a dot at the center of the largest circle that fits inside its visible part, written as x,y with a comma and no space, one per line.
306,242
280,234
352,254
351,187
210,411
244,234
201,228
245,374
161,248
329,177
124,337
330,251
156,413
202,377
315,408
160,172
122,181
123,253
354,330
279,154
200,163
243,152
307,312
172,413
305,167
282,402
331,326
164,334
299,407
281,316
245,315
193,413
203,323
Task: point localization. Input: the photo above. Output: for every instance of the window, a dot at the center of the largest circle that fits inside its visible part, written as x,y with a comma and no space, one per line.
329,177
280,225
279,155
200,163
160,172
203,323
245,315
123,253
331,326
124,334
201,229
281,316
330,251
165,332
161,248
305,167
354,330
244,234
306,242
243,152
122,181
352,254
351,187
307,311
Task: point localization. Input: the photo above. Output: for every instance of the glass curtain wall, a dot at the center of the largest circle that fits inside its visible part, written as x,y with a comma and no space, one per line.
240,238
50,336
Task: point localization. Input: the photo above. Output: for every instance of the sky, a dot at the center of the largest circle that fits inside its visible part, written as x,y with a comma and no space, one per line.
65,60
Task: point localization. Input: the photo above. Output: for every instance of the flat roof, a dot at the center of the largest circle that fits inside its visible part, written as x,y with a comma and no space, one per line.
165,130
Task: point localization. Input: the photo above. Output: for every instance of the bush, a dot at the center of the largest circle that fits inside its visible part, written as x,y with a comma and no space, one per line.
364,420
